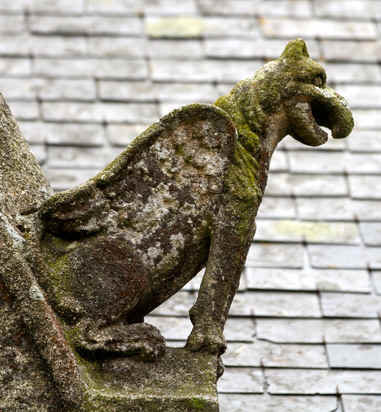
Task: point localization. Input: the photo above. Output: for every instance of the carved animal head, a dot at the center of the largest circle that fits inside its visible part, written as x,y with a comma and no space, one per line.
294,86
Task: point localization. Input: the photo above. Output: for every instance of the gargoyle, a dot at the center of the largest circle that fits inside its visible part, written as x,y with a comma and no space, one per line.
183,196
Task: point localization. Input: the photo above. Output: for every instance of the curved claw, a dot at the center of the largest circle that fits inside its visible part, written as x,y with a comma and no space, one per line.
212,342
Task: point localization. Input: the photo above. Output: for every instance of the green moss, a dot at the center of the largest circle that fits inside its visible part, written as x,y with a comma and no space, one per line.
197,403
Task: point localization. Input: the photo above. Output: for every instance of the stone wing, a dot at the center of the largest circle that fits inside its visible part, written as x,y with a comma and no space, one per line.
187,152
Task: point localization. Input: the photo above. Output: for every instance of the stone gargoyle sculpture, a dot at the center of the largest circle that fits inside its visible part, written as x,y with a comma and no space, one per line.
87,265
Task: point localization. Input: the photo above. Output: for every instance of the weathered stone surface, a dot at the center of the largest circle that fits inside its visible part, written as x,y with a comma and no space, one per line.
87,265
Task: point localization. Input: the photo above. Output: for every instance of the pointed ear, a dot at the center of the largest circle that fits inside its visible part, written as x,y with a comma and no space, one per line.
295,49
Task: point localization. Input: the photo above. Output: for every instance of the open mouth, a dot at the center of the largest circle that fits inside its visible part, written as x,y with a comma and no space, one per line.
306,118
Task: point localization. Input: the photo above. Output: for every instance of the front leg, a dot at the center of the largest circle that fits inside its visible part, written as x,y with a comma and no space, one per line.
231,237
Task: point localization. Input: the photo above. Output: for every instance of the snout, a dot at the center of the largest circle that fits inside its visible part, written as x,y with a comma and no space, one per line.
314,107
331,110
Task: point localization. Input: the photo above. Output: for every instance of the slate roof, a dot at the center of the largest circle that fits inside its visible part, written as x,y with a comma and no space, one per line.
84,77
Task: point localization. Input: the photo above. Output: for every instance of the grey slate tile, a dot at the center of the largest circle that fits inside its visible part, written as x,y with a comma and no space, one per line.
371,233
25,110
56,6
116,47
175,49
367,209
312,28
169,7
359,96
207,71
354,356
318,185
90,25
15,66
277,207
374,257
63,179
325,208
70,134
322,381
319,330
367,118
308,280
275,355
351,305
113,7
339,50
358,403
123,134
244,380
284,304
317,162
259,403
117,68
336,257
352,72
365,187
244,27
239,329
273,255
172,328
249,49
364,141
360,9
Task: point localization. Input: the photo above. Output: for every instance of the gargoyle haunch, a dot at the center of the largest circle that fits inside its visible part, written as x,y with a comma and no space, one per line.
183,196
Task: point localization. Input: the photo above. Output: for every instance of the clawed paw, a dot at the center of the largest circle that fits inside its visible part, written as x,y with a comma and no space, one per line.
139,339
209,341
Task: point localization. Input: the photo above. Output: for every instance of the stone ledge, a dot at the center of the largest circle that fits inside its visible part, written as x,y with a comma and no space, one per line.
181,381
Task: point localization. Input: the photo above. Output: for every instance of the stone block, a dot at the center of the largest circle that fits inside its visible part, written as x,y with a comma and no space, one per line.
361,9
181,381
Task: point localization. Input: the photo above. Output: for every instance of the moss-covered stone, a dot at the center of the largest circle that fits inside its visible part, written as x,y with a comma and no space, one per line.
83,267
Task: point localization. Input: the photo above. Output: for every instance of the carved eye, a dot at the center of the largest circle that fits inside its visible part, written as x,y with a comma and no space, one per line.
318,81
